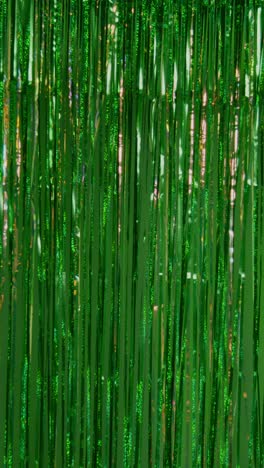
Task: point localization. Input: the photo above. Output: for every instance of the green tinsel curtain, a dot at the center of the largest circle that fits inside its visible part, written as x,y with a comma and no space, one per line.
132,233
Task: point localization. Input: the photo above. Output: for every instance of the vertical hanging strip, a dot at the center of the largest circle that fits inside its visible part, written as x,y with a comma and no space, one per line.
132,233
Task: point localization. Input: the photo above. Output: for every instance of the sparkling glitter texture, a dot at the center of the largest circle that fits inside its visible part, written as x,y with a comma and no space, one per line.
132,233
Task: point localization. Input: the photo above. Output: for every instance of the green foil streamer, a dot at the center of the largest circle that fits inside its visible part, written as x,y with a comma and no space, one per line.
132,233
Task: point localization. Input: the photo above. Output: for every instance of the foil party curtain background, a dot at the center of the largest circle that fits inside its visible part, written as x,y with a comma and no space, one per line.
132,233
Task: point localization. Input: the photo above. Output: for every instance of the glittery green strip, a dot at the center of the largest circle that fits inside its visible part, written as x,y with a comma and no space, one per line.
132,233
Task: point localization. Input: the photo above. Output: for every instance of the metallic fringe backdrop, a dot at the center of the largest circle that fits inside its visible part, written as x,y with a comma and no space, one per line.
132,233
